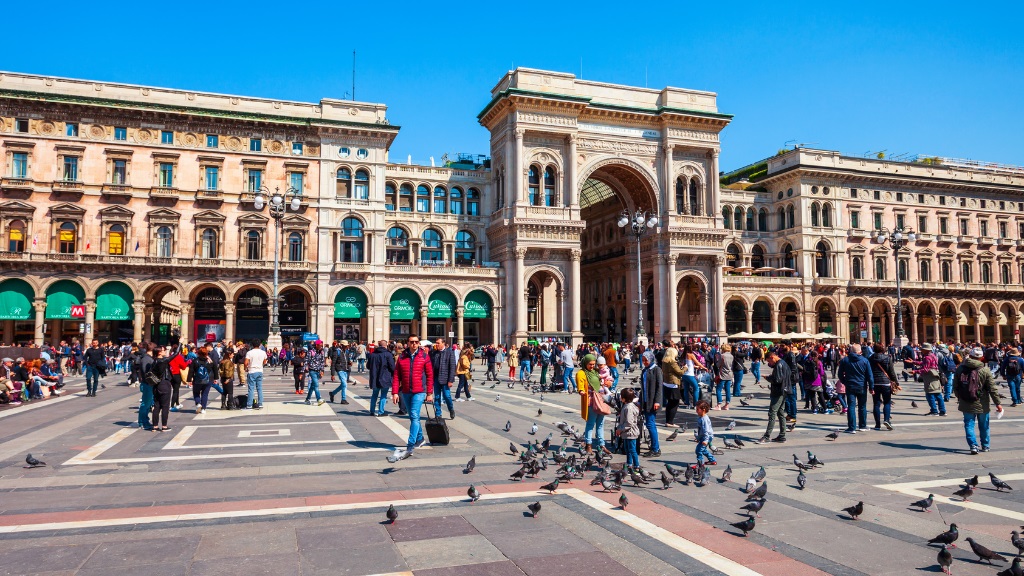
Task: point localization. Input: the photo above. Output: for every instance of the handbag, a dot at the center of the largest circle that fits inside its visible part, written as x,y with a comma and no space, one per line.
895,386
597,403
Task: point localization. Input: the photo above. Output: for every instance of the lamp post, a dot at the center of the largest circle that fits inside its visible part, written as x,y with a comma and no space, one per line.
897,239
639,222
278,207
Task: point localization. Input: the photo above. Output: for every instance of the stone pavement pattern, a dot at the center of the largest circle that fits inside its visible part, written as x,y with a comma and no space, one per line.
297,489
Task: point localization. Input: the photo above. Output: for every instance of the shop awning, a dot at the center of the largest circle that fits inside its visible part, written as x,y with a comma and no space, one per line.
405,304
16,300
478,305
350,303
114,302
60,297
441,304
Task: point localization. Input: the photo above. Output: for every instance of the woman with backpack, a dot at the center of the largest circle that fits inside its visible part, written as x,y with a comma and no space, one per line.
885,384
974,387
202,374
162,390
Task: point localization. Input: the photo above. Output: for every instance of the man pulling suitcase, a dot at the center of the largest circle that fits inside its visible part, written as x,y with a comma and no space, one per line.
412,383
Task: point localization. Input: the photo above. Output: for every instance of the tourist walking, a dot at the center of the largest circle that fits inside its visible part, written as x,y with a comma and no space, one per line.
445,363
928,370
462,373
884,377
672,394
381,365
588,385
778,381
316,361
341,364
975,390
162,391
413,370
724,375
855,374
652,382
255,360
142,366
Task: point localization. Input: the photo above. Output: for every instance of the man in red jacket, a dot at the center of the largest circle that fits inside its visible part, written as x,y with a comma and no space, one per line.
413,379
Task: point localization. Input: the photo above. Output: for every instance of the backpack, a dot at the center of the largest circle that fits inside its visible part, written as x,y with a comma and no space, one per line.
969,385
948,363
202,374
1012,368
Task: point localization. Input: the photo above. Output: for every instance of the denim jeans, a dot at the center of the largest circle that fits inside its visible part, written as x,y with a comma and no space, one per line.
442,390
1014,383
201,393
361,363
627,362
776,412
727,384
948,387
632,452
857,410
342,385
737,388
463,386
982,429
314,385
615,376
703,452
92,379
935,403
524,370
147,405
691,390
791,405
652,427
755,367
378,399
254,381
881,397
595,426
567,380
414,403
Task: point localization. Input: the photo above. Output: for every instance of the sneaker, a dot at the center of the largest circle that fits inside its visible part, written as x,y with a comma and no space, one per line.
879,428
986,449
332,396
888,425
764,440
309,402
247,408
460,400
725,406
419,443
343,401
320,402
399,454
173,408
401,413
712,463
652,454
471,399
671,426
779,439
932,414
974,450
851,431
258,407
942,413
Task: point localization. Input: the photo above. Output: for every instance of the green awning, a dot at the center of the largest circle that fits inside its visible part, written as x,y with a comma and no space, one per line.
441,304
60,297
405,304
350,303
16,298
478,305
114,302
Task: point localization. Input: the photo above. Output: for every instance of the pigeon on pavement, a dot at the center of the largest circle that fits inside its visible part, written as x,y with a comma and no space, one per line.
672,437
834,435
473,494
534,508
551,487
518,474
508,425
666,480
948,537
746,525
533,429
751,483
913,404
972,482
800,465
924,504
623,501
1017,542
801,479
392,514
965,493
760,474
672,471
999,484
761,492
688,475
855,511
731,425
738,442
33,463
540,411
984,553
813,460
513,449
945,560
730,444
470,466
754,507
727,474
1013,570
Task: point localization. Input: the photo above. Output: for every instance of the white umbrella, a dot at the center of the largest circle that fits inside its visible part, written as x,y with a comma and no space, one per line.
773,336
761,336
825,336
740,335
764,269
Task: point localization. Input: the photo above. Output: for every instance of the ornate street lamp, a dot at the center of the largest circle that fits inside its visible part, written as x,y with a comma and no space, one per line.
278,207
638,222
897,239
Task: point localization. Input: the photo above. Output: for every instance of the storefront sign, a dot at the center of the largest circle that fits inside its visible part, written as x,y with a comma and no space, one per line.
404,305
478,305
16,300
349,307
78,311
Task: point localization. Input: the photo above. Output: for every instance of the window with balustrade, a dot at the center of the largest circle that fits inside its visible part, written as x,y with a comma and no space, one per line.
727,217
762,220
343,183
390,197
397,246
67,238
440,200
751,220
456,200
16,236
533,185
549,187
681,196
352,241
946,269
116,240
431,249
925,270
405,198
295,252
209,246
965,272
422,198
19,165
253,245
472,202
361,189
879,268
857,267
164,242
465,248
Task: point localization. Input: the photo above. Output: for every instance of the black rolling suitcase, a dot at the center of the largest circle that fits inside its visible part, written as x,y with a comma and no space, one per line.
437,428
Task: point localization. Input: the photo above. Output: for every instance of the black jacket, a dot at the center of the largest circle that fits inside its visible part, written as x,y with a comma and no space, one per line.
651,392
95,357
780,378
882,370
381,364
445,363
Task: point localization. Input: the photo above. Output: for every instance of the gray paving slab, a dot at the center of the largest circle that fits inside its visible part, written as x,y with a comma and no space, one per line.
153,551
381,558
31,560
247,542
453,551
268,565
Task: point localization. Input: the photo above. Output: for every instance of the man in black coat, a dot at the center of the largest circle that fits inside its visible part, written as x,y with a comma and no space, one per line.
445,361
780,380
651,380
381,366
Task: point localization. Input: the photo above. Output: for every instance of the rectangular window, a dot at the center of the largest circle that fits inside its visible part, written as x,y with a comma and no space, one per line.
120,134
984,228
878,220
212,178
72,129
19,166
71,168
1002,230
942,200
212,141
855,219
296,180
255,180
297,148
473,207
255,145
878,195
922,224
984,204
900,221
167,174
943,225
423,205
1020,230
899,196
1002,205
166,137
853,192
963,202
920,198
21,126
963,226
119,175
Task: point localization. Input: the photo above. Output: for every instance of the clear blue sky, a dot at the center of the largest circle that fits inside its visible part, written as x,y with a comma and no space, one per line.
941,78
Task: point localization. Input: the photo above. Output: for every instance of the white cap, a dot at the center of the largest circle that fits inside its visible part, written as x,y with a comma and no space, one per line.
601,361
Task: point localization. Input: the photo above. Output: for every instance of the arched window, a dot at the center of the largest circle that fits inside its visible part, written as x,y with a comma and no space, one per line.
879,268
751,224
821,263
757,257
253,245
343,183
925,270
549,186
738,218
695,207
295,247
782,218
1004,274
727,217
901,269
858,268
465,249
67,238
826,215
986,273
965,272
456,200
790,220
390,197
115,240
405,198
431,251
815,221
440,200
16,236
787,257
762,220
361,191
472,202
732,256
164,239
680,196
397,246
209,247
533,178
422,198
351,248
947,272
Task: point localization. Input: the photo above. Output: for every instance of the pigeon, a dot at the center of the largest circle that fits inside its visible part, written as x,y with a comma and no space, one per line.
790,426
984,553
1017,542
727,474
801,479
508,425
945,560
497,397
518,474
533,429
392,514
972,482
924,504
705,476
1013,570
800,465
666,480
738,442
743,402
623,500
534,508
750,485
965,493
672,437
754,506
540,411
610,486
761,492
551,487
760,474
32,462
913,404
730,444
688,475
855,511
470,466
731,425
673,472
472,493
513,449
999,484
813,460
947,538
746,526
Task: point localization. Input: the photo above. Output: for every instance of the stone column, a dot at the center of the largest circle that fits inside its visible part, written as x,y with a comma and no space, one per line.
518,176
868,319
977,327
8,332
459,311
496,335
40,322
387,323
229,321
935,329
90,318
672,294
423,323
892,326
720,293
707,317
913,327
842,327
575,292
750,320
519,295
716,193
660,319
147,322
775,321
140,318
570,171
371,325
186,321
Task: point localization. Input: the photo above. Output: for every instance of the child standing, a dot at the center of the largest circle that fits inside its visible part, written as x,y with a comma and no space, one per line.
627,427
705,434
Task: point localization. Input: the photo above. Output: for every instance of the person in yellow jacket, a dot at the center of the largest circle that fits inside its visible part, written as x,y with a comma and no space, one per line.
462,372
513,363
588,379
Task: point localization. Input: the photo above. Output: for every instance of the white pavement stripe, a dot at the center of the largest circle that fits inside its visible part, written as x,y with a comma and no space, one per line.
391,424
219,456
39,404
90,454
180,438
919,490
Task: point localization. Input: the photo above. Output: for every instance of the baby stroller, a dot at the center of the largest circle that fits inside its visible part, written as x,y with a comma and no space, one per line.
832,402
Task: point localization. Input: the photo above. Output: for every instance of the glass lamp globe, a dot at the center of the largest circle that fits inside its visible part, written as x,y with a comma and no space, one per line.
652,222
296,204
623,220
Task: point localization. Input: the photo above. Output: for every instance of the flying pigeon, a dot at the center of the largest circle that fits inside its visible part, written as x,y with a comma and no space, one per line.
513,449
731,425
534,508
1013,570
947,538
972,482
551,487
924,504
800,465
965,493
801,479
473,494
672,437
666,480
999,484
470,466
32,462
760,474
833,435
727,474
813,460
855,511
746,525
761,492
623,500
984,553
754,506
392,514
1017,542
508,425
945,560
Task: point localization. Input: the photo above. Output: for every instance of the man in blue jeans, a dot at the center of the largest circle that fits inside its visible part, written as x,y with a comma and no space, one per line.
568,363
413,372
341,364
316,361
444,361
93,358
1013,369
255,359
974,403
855,373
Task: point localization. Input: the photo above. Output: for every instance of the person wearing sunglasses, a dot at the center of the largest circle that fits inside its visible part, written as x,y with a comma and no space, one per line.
412,384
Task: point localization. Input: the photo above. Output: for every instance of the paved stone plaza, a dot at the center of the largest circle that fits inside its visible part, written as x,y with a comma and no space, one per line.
303,489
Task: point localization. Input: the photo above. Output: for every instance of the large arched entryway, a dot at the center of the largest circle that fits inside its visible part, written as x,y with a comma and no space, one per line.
162,320
350,314
115,313
544,310
293,315
65,311
17,313
210,316
252,315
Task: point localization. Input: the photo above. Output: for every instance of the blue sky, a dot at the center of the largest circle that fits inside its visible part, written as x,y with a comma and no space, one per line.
937,78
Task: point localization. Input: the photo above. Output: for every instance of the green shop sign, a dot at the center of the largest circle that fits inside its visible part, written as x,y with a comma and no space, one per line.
405,304
441,305
16,300
350,303
478,305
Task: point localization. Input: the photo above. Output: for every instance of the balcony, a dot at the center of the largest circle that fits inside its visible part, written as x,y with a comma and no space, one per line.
212,196
828,282
756,280
116,191
944,238
16,186
1006,242
163,192
925,237
180,264
986,241
856,233
68,187
966,239
429,270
